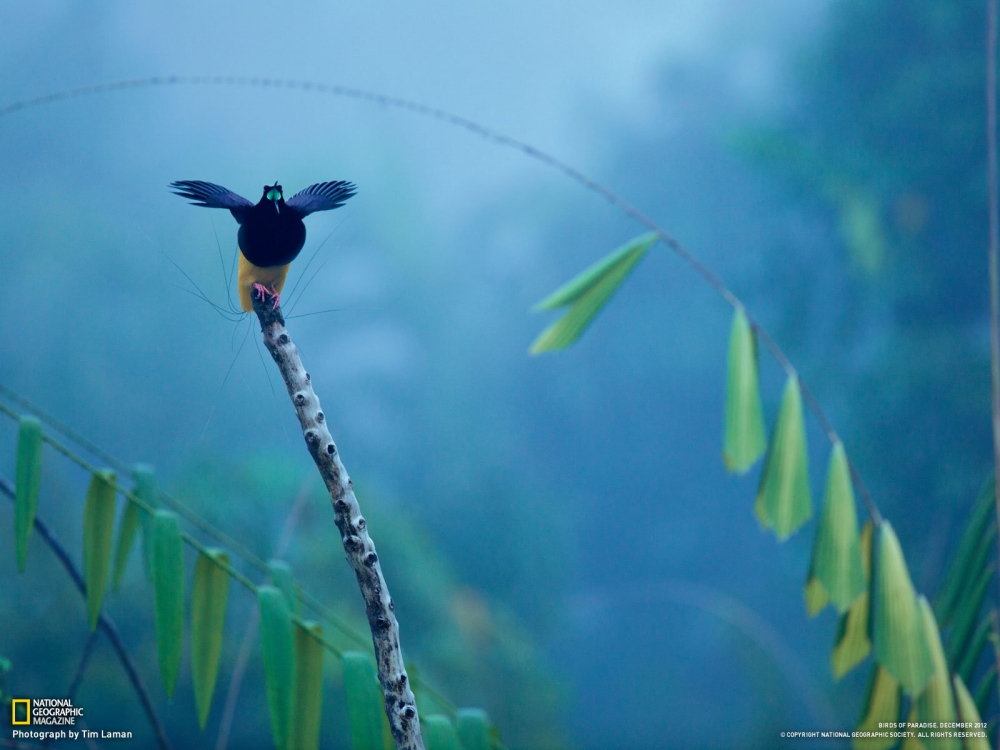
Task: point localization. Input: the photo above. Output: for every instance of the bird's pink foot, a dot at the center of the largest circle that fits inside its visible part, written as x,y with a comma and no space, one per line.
277,297
261,291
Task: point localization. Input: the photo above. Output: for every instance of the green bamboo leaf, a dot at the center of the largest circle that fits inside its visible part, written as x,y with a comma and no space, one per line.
439,734
967,612
968,713
209,596
365,703
985,690
98,534
574,289
282,578
27,482
783,496
127,527
969,658
935,703
970,549
473,729
816,596
912,742
588,293
307,705
278,647
852,644
836,558
745,439
168,584
881,704
898,631
145,489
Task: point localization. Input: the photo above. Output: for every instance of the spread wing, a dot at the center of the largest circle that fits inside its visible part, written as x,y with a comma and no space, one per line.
212,196
323,196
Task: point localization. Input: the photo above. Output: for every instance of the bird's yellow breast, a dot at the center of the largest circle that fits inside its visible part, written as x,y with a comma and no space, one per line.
249,274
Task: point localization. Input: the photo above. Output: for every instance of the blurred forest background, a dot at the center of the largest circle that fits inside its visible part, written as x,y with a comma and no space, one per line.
559,532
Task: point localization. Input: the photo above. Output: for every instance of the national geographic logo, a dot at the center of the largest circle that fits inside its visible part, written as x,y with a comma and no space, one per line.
44,711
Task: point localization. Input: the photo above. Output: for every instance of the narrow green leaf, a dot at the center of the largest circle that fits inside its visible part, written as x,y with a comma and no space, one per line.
852,644
278,647
969,657
168,585
473,729
816,596
935,703
127,527
145,489
98,534
968,713
986,689
439,734
282,578
898,632
969,549
308,702
586,280
587,294
967,613
836,557
881,705
27,481
783,496
365,703
912,742
745,439
209,597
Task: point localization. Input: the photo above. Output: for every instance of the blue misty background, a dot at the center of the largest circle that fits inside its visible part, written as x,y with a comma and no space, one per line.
564,544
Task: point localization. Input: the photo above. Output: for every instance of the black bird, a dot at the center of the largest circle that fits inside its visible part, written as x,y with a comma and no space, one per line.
271,233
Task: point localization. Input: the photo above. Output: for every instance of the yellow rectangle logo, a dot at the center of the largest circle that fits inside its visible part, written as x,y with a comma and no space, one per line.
26,702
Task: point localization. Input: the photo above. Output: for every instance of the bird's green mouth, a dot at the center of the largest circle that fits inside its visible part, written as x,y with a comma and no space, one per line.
274,195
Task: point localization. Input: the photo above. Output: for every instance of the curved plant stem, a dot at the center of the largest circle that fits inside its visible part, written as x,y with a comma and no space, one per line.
81,668
500,139
400,705
105,622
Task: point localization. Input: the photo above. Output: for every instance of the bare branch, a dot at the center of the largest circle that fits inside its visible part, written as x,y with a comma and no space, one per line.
400,705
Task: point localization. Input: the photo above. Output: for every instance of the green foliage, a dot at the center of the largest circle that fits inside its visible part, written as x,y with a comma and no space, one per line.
473,729
783,500
127,527
970,557
438,732
365,707
209,597
98,534
308,701
836,560
277,642
587,293
282,578
145,489
968,713
745,439
986,689
935,703
28,480
898,625
168,585
881,704
852,643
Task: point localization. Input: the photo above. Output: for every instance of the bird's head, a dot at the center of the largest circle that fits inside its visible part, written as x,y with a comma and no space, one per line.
274,194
